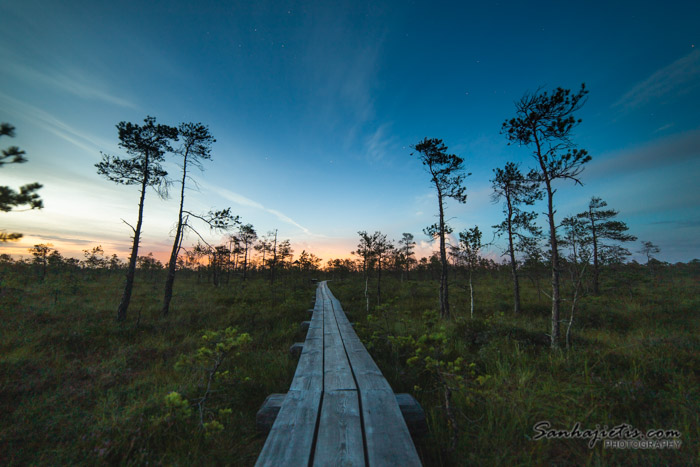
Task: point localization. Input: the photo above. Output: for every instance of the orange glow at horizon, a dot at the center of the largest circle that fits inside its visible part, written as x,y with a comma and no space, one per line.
20,249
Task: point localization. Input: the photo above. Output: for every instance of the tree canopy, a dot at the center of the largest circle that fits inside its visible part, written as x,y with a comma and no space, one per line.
10,198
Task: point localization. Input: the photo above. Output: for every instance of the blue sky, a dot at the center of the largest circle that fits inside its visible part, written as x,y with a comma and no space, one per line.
314,106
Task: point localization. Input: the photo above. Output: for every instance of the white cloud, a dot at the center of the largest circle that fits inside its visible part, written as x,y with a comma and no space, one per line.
243,201
52,124
378,143
71,80
679,77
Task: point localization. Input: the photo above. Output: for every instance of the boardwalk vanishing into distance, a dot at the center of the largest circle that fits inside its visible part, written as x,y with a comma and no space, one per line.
339,410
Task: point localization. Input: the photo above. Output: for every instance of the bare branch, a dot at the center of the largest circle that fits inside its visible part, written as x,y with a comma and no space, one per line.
132,227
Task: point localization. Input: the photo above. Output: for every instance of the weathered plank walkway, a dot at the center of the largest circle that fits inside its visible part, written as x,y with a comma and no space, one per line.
339,410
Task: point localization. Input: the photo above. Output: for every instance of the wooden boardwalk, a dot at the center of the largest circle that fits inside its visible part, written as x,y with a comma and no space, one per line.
340,410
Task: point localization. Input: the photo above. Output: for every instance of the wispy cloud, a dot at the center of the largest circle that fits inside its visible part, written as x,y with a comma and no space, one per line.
378,143
343,90
52,124
677,78
679,223
244,201
674,149
74,81
664,127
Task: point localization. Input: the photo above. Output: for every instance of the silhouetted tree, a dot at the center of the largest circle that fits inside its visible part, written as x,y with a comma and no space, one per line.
284,252
222,221
56,260
383,249
446,174
147,145
271,241
514,189
546,122
366,250
94,259
469,248
601,226
406,253
41,254
114,263
247,235
218,258
149,263
308,262
10,198
195,148
649,250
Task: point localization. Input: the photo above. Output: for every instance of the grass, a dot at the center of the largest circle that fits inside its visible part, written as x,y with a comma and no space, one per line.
634,360
76,387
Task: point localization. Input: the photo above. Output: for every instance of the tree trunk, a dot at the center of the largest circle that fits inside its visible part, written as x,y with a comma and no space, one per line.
379,281
131,270
273,265
513,264
245,262
366,294
556,300
444,302
172,265
596,288
471,294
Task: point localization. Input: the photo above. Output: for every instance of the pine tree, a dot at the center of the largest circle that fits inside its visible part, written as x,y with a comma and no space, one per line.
546,122
601,226
27,194
447,175
147,145
196,147
515,189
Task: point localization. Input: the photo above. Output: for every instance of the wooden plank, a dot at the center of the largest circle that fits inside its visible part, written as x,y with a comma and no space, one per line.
338,386
291,438
367,373
339,440
337,374
412,412
309,372
388,439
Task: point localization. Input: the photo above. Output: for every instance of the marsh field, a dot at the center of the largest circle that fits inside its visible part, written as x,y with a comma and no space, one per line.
78,387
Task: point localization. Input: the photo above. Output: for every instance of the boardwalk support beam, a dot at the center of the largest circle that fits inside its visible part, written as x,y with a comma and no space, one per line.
296,349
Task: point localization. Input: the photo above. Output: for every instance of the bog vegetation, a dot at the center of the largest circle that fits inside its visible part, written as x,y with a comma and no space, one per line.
77,386
564,329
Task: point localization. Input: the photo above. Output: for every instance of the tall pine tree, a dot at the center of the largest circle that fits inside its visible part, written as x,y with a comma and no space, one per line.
447,175
545,123
147,145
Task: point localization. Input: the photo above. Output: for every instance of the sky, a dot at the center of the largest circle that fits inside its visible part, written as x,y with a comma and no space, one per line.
315,107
